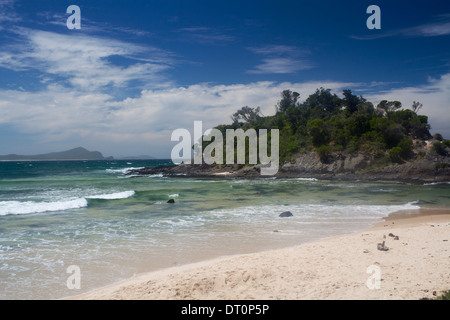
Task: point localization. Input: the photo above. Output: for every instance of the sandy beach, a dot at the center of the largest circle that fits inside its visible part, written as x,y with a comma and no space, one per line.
414,264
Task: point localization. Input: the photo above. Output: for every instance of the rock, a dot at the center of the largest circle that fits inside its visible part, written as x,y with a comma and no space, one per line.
171,201
391,235
382,246
286,214
396,238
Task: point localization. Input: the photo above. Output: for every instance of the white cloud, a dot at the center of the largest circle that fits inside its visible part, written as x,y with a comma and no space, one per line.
86,62
141,125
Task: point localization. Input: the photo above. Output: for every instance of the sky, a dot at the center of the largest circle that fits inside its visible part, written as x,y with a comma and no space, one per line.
135,71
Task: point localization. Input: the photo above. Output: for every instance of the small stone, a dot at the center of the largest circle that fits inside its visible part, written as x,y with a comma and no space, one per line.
171,201
396,238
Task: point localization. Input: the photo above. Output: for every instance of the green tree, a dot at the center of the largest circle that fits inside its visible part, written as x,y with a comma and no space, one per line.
323,103
288,99
246,114
351,101
389,106
416,106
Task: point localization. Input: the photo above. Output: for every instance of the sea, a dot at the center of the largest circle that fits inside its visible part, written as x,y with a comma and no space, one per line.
109,225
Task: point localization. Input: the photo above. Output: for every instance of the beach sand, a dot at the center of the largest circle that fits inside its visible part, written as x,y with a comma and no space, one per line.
415,266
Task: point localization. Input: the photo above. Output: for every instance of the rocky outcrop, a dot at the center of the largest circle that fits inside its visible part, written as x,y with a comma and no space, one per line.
430,168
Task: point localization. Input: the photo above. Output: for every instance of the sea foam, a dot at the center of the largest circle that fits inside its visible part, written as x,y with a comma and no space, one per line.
27,207
113,196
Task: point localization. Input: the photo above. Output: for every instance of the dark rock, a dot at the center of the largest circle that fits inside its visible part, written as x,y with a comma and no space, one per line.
286,214
171,201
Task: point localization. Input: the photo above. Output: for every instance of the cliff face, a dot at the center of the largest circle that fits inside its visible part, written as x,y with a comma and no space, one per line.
363,167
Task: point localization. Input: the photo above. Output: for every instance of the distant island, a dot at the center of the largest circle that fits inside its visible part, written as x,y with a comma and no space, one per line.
72,154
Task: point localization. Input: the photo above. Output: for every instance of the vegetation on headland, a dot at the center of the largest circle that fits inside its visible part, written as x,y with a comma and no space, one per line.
445,295
329,125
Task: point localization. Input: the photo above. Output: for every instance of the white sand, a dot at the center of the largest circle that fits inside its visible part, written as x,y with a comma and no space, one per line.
414,267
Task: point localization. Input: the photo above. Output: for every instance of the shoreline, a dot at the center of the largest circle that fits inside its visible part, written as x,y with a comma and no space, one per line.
418,173
415,266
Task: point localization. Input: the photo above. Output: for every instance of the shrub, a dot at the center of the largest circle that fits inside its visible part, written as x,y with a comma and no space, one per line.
438,136
324,153
439,148
446,143
441,165
395,155
406,147
444,296
318,132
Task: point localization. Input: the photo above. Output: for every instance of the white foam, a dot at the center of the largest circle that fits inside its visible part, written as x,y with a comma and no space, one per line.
27,207
175,195
158,175
123,170
318,211
436,183
113,196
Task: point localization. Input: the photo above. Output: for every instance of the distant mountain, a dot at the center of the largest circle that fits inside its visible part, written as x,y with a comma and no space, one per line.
73,154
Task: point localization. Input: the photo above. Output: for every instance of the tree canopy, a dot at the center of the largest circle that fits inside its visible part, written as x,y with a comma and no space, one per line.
328,123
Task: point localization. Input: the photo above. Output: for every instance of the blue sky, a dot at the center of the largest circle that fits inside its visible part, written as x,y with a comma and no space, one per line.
137,70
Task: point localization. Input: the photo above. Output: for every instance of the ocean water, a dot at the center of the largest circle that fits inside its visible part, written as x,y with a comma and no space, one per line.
112,226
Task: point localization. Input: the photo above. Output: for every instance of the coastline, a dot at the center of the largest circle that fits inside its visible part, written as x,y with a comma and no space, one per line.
431,169
415,266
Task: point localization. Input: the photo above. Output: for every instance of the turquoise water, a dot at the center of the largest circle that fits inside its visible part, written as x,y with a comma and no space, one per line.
113,226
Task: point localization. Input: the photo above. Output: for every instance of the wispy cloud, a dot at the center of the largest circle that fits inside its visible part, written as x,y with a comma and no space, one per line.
89,26
441,27
86,62
281,59
205,35
7,12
